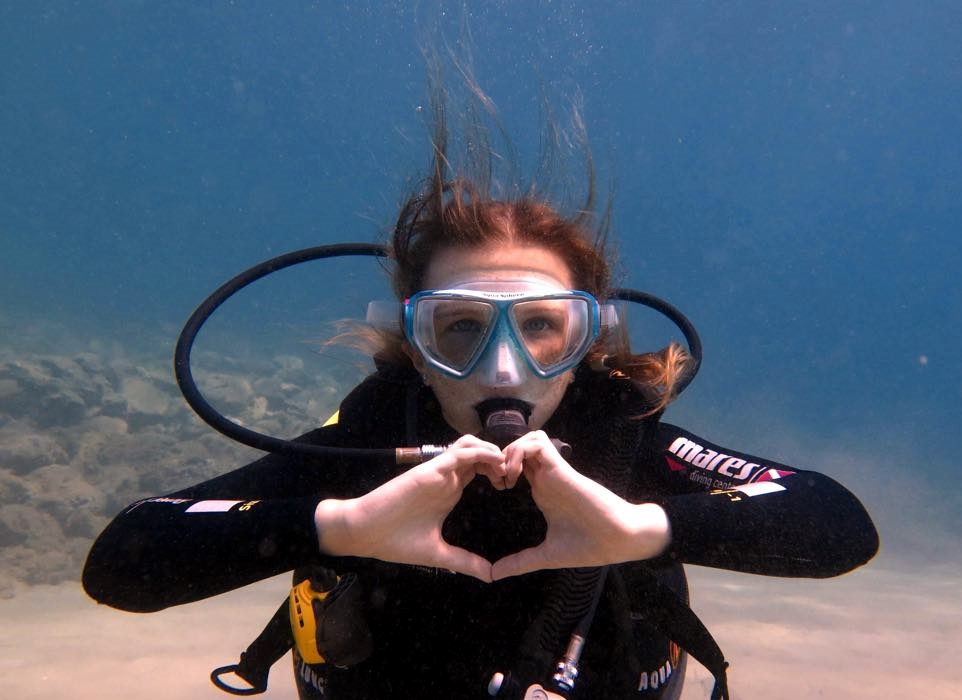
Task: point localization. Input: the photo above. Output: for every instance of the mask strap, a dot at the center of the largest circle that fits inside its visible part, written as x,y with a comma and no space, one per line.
384,315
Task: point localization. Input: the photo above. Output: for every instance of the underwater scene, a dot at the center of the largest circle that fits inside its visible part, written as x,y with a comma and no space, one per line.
789,175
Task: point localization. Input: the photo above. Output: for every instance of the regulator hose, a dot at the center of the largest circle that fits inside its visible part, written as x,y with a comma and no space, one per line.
185,378
268,443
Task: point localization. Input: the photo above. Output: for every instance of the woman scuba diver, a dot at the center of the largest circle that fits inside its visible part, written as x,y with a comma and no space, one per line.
540,553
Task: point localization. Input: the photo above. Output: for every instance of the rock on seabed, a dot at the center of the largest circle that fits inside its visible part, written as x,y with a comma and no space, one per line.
83,435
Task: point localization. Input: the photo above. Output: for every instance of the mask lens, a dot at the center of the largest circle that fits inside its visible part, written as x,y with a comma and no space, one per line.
552,330
453,331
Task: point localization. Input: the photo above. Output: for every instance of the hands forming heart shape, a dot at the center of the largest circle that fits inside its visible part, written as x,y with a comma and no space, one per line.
401,520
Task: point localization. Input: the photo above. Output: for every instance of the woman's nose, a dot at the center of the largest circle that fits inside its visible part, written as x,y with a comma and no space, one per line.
500,366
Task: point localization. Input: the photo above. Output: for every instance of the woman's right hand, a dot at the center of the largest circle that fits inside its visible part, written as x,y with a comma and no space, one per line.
401,520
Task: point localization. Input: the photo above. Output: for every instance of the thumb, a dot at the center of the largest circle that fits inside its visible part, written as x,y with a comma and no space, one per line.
465,562
523,562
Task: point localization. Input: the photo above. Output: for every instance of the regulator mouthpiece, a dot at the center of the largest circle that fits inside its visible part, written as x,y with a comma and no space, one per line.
504,420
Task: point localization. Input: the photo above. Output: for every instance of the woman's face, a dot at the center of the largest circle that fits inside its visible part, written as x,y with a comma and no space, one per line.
487,267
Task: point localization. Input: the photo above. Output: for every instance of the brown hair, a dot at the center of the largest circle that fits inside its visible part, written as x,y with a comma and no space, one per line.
454,210
455,215
462,218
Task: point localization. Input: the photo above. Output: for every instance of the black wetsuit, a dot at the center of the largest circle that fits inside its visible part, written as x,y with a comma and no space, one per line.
438,634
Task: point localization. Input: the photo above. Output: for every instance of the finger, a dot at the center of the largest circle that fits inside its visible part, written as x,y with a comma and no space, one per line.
514,456
496,473
529,454
535,443
512,472
468,458
536,439
473,440
481,451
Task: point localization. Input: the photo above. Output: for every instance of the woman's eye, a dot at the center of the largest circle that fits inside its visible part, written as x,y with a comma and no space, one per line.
537,325
464,325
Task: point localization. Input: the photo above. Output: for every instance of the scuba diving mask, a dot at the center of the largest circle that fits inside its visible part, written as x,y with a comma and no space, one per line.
459,331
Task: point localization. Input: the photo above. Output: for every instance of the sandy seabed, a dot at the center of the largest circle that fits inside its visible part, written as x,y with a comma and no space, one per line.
85,431
875,633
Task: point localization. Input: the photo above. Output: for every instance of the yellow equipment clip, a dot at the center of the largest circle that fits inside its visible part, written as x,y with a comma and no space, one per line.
327,619
307,607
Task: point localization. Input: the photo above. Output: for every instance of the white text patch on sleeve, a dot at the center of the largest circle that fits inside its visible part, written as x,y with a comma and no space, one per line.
757,489
211,506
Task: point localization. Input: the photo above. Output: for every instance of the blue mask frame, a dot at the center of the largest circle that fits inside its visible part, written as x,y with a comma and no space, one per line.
501,328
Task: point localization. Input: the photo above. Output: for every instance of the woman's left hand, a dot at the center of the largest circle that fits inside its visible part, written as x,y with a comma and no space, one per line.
588,525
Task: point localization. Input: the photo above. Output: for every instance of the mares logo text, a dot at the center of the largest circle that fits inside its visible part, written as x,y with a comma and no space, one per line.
724,465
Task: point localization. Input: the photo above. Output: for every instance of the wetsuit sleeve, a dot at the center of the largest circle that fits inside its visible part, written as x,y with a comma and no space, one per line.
225,533
732,510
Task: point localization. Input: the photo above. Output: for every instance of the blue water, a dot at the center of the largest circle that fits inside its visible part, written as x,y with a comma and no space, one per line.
789,174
